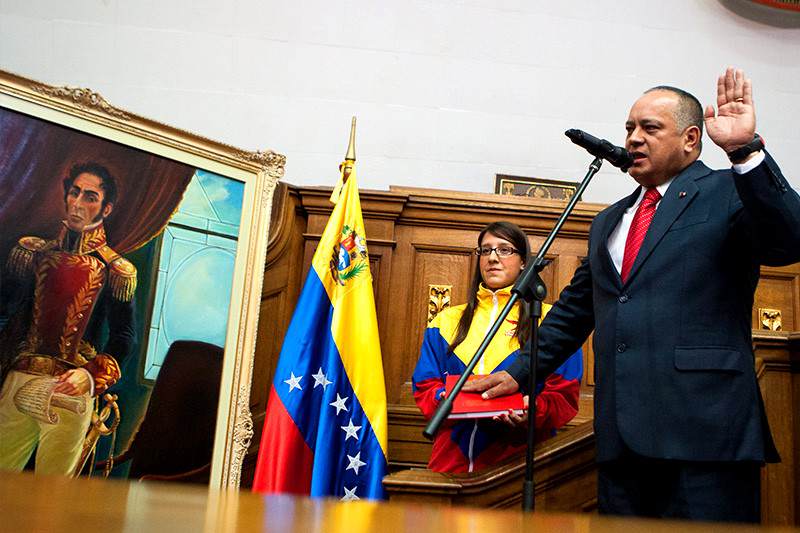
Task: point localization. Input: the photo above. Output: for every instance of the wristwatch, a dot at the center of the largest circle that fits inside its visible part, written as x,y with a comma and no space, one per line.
741,153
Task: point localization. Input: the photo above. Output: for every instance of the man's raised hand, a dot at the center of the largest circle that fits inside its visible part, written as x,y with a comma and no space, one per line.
734,123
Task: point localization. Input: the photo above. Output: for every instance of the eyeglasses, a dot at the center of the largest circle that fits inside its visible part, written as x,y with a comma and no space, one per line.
501,251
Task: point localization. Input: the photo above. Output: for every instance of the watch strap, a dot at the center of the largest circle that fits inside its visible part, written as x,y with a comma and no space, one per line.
741,153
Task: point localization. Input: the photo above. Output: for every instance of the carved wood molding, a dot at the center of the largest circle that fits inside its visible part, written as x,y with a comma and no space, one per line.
374,204
83,98
761,368
442,208
777,349
567,454
285,199
770,319
475,210
272,161
438,299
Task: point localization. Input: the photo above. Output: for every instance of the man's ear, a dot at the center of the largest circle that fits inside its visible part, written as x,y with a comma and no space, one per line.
107,209
692,138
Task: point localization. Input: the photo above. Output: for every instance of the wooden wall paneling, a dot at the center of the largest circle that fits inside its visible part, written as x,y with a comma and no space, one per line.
407,447
438,265
795,429
779,288
778,366
381,257
396,309
420,260
440,257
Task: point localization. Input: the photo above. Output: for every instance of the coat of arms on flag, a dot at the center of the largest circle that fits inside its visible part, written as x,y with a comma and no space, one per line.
349,256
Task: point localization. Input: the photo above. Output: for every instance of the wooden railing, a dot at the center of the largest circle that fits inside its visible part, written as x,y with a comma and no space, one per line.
564,478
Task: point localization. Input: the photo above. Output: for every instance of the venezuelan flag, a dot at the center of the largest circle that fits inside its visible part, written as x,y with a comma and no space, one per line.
325,432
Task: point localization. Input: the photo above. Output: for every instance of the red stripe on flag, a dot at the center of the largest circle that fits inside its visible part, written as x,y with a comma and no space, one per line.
285,461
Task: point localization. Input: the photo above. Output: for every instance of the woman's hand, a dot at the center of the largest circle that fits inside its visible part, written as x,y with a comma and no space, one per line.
514,420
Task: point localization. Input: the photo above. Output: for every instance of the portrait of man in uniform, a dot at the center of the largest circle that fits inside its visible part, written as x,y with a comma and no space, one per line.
109,255
69,299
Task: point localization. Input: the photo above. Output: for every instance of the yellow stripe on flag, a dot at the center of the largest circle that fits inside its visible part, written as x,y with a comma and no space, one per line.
342,263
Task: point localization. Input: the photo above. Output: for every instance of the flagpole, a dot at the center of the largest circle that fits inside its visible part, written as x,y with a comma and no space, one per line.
350,157
347,166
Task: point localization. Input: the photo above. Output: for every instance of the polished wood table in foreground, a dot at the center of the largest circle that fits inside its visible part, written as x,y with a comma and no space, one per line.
30,503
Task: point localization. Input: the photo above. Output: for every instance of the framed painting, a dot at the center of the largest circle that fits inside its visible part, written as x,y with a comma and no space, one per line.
534,187
132,258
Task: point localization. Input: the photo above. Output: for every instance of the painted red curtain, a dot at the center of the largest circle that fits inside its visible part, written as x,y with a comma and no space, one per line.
36,155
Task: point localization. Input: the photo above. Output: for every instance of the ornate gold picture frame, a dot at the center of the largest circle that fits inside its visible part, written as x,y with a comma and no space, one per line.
534,187
48,134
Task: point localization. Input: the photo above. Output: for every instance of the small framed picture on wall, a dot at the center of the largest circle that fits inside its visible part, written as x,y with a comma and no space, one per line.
534,187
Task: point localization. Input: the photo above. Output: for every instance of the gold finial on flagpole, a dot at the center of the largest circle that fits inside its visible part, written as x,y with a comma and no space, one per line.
350,157
351,148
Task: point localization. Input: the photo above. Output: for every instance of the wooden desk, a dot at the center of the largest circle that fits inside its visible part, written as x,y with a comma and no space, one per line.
30,503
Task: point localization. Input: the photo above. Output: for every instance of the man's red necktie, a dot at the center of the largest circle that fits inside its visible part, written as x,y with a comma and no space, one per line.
641,221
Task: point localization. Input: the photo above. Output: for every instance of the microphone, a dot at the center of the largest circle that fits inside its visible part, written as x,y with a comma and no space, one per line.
616,155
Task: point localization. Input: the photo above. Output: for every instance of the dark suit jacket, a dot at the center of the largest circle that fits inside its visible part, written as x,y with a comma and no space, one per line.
674,365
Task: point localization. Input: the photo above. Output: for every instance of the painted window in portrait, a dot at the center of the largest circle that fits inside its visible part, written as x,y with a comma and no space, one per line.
195,268
126,313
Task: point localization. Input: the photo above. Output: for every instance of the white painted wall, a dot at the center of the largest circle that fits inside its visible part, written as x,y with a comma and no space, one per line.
447,92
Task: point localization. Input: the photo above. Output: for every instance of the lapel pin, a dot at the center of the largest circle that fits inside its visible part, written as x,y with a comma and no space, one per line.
682,194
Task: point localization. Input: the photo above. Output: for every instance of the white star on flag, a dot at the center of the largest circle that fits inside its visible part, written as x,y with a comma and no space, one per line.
293,382
339,403
351,430
349,494
321,379
355,462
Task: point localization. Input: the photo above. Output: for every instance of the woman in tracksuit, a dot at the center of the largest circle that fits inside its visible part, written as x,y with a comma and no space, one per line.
453,337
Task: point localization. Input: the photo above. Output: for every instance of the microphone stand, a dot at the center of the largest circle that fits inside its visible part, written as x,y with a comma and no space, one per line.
531,288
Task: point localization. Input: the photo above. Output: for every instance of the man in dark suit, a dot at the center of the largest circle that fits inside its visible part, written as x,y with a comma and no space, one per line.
668,289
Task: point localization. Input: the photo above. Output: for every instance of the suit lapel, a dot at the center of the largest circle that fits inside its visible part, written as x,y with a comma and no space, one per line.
612,220
677,198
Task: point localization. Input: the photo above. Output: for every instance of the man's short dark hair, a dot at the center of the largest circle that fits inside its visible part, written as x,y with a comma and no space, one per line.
689,112
107,181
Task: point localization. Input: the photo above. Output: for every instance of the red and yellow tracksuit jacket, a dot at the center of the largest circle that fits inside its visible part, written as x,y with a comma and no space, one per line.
471,445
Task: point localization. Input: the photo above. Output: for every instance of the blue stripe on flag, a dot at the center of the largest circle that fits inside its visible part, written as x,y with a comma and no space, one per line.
307,348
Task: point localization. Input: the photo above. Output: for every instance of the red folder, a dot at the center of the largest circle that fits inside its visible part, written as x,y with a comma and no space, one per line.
471,405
